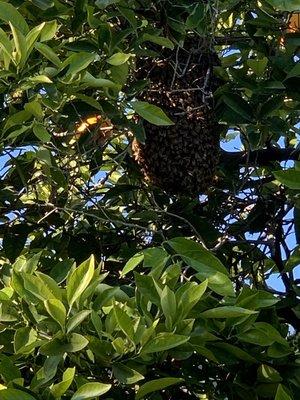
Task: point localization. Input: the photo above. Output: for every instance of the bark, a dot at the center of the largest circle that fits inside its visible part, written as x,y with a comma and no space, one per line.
261,157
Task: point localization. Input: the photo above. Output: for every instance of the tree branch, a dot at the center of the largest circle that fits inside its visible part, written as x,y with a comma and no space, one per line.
227,40
260,157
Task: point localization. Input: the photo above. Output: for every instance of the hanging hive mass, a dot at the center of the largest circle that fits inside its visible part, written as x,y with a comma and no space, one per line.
180,158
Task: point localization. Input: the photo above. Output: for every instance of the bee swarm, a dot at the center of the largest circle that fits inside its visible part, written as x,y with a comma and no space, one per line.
180,158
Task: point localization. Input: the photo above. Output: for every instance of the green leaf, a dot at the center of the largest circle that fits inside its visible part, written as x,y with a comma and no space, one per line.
48,281
188,296
8,370
48,53
236,351
285,5
164,341
39,287
227,312
32,37
295,71
132,263
41,132
31,263
151,113
196,253
102,4
258,66
49,31
34,108
273,85
60,388
14,134
93,82
9,13
119,58
129,14
208,266
46,372
78,62
282,393
43,4
155,385
238,105
126,375
124,322
20,45
272,332
72,344
257,335
80,279
77,319
14,394
40,79
57,311
289,177
90,390
23,339
218,282
277,350
196,16
161,41
169,306
147,286
268,107
96,321
257,300
266,373
5,44
155,258
293,261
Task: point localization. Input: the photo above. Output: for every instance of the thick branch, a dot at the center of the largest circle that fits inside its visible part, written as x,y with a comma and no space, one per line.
227,40
260,157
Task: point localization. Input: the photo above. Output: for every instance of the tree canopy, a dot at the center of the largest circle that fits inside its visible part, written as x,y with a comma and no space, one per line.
114,287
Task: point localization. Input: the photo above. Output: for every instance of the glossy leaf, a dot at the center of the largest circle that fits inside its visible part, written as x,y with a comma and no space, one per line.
132,263
164,341
227,312
14,394
290,178
57,311
79,280
162,41
126,375
10,14
156,385
119,58
90,390
125,323
77,319
151,113
285,5
78,62
60,388
282,393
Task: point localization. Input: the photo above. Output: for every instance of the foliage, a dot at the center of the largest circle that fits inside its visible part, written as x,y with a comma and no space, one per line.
110,287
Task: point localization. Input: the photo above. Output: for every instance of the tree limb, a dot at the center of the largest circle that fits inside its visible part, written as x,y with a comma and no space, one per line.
228,40
260,157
